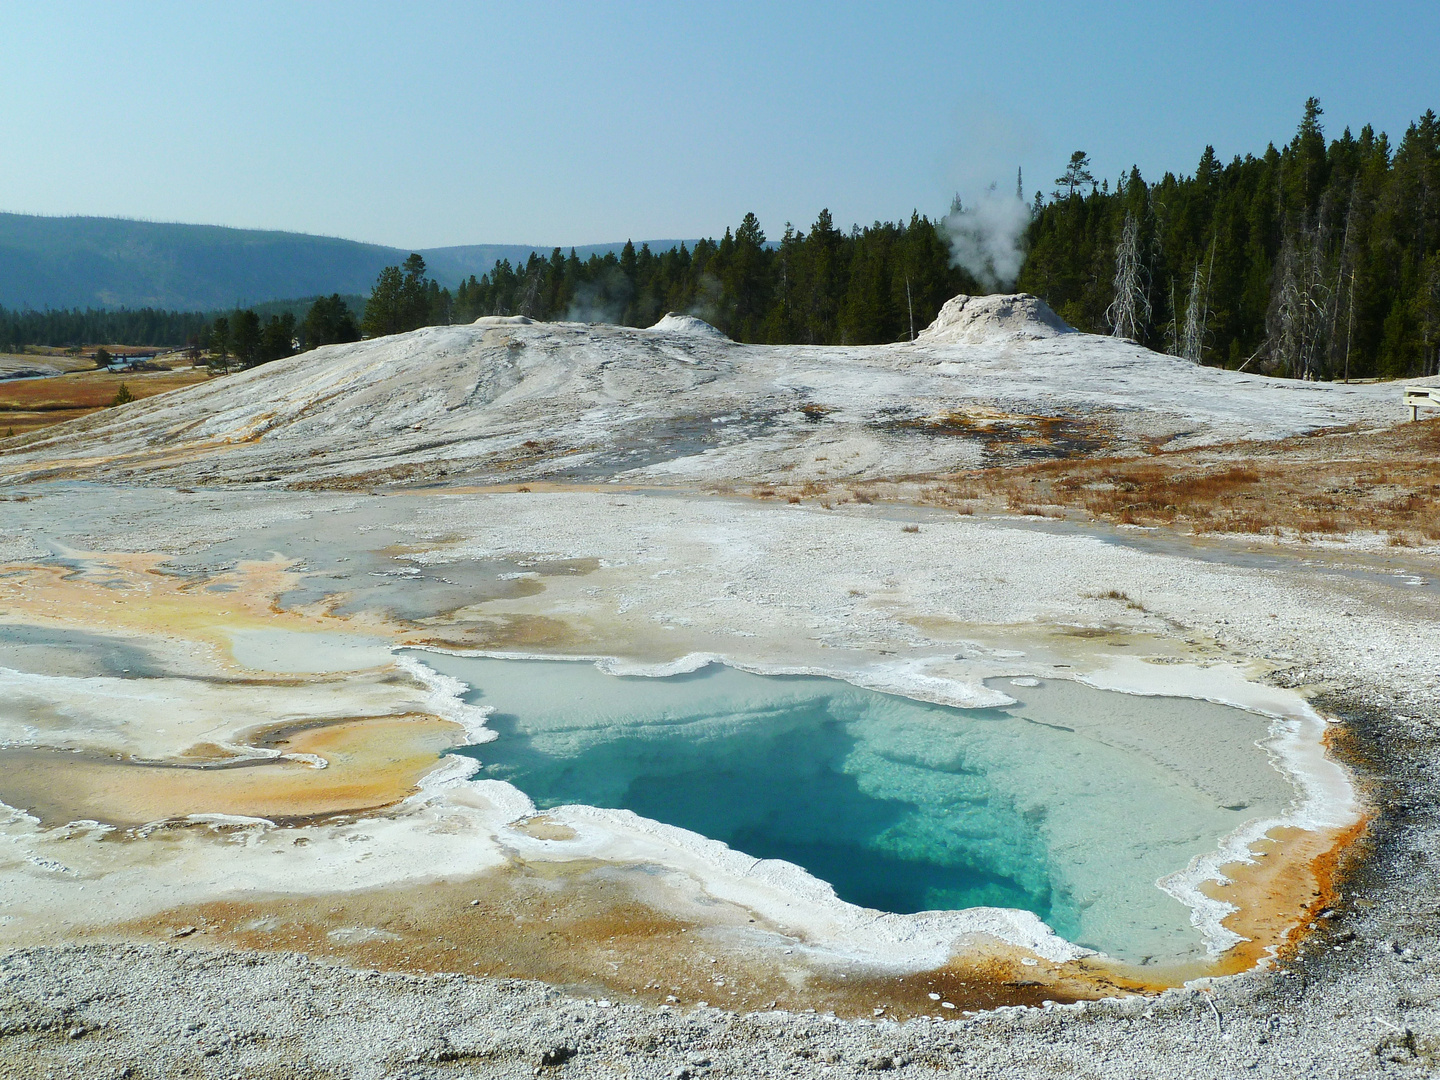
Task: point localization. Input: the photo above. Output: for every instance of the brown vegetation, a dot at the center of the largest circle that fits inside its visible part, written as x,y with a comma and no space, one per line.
30,404
1015,437
1328,484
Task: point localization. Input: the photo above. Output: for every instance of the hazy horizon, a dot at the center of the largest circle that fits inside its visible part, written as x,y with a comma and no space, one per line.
548,246
448,126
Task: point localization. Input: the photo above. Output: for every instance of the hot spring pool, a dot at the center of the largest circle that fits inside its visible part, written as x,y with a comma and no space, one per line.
1072,803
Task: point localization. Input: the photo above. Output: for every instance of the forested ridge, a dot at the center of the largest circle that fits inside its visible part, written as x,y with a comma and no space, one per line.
1293,261
1313,260
123,326
817,286
144,326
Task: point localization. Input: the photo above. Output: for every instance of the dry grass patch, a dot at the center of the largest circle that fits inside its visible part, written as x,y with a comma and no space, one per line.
1119,597
30,404
1013,437
1331,485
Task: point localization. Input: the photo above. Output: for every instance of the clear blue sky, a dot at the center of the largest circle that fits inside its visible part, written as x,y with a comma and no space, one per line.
425,124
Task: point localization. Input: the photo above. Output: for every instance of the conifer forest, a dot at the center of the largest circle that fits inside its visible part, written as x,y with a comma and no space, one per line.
1316,259
1313,260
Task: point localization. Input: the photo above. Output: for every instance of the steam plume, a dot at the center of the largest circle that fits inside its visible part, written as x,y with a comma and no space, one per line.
987,237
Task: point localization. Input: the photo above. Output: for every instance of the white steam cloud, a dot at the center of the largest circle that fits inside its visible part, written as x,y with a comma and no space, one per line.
987,237
602,300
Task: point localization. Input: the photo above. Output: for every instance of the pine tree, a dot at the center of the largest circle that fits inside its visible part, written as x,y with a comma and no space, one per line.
245,336
329,322
384,311
1077,174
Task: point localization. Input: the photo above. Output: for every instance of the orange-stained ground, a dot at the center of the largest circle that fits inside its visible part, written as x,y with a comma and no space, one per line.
588,926
1325,484
571,923
31,404
583,925
371,762
128,593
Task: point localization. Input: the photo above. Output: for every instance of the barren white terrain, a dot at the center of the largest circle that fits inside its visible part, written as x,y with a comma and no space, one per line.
677,404
237,843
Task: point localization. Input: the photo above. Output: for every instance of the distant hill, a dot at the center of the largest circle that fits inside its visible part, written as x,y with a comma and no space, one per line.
68,262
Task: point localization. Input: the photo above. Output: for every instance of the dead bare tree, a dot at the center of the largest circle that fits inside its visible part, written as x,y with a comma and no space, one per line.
1302,311
1349,323
1347,265
1129,313
1172,331
1197,313
1192,334
1288,311
910,304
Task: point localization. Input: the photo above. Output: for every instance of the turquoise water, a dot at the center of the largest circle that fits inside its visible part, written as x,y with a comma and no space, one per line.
1070,804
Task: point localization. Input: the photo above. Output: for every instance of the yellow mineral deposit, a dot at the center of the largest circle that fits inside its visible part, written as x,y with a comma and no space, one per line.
127,593
337,767
222,737
207,743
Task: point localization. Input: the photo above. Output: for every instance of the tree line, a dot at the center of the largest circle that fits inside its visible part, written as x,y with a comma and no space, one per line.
125,326
816,286
820,286
244,336
243,339
1313,260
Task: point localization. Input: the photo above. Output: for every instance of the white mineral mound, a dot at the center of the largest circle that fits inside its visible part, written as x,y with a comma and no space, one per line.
985,320
512,401
503,320
687,324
